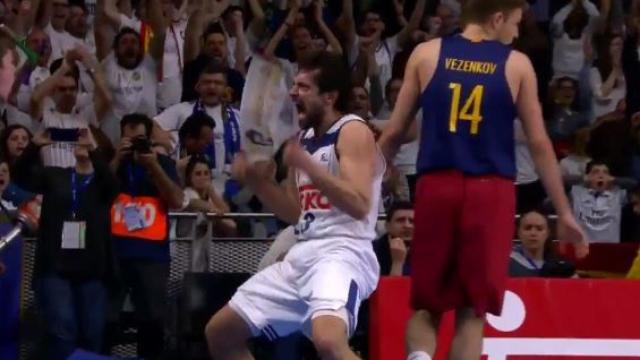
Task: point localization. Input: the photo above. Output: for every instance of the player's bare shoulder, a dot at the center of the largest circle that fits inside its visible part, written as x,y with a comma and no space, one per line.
424,60
518,70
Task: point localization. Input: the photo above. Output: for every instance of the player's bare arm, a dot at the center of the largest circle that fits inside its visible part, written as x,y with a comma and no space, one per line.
418,73
351,191
523,83
282,200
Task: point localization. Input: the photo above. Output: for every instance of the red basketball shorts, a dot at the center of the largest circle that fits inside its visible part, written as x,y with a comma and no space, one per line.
464,227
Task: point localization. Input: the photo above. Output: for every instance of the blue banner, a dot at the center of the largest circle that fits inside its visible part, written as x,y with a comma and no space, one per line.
10,296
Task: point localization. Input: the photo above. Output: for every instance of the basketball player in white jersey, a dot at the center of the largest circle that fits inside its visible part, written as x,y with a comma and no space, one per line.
332,197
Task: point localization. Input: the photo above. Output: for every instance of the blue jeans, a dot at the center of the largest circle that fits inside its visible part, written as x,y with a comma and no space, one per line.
73,314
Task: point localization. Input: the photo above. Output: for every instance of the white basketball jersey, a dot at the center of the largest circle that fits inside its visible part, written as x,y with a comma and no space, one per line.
319,219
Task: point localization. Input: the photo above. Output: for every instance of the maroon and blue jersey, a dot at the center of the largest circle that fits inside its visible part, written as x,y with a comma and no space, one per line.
468,111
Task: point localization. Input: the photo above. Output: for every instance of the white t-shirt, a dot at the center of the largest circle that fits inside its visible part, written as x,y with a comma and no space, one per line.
174,117
603,105
385,54
170,91
574,165
599,213
37,76
568,56
526,169
61,41
14,116
82,115
134,91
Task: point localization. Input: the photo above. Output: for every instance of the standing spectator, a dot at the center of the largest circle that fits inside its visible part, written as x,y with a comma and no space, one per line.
78,26
170,88
563,116
607,77
132,75
574,165
392,248
571,33
534,257
610,142
140,228
237,44
56,104
597,204
33,74
206,43
73,265
226,132
372,30
530,192
56,14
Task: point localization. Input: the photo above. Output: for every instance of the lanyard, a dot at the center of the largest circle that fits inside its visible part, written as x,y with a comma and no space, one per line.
75,190
529,260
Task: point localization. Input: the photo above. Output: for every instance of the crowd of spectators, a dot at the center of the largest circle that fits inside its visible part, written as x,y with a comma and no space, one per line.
138,104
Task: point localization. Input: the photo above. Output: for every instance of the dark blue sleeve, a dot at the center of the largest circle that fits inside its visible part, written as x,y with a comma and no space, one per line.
16,195
169,167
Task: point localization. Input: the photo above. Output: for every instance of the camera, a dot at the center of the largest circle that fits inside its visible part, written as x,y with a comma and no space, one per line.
141,145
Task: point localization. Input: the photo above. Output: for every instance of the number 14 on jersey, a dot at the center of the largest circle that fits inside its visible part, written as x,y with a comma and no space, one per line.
470,110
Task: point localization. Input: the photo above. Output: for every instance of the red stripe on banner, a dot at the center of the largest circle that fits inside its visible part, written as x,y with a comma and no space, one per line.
571,319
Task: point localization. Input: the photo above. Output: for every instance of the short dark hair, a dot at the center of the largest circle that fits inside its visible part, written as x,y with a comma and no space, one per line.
123,32
79,3
397,206
479,11
213,28
332,74
593,163
214,68
194,124
133,120
74,72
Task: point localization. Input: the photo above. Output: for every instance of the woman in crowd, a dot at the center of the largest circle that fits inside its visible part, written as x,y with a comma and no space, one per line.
534,256
201,196
14,139
73,262
607,77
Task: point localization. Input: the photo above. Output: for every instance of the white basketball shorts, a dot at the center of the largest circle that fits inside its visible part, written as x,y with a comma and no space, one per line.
315,276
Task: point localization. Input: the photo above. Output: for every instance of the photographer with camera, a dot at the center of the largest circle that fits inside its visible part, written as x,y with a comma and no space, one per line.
140,227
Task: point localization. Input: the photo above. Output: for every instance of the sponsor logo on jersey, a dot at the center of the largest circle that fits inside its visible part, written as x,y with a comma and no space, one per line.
312,199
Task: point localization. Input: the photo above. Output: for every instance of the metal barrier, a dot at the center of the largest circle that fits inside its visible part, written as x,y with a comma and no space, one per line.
226,255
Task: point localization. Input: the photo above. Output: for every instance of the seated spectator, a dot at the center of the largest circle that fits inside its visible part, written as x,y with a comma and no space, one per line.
630,224
534,256
609,140
563,117
607,77
73,265
203,198
13,140
635,146
597,204
225,139
574,165
392,248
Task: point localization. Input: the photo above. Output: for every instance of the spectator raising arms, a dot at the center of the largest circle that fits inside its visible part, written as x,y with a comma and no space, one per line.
73,264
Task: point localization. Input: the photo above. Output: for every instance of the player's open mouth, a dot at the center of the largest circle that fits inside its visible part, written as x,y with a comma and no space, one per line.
300,107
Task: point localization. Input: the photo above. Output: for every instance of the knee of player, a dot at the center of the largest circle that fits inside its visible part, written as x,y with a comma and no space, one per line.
330,343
